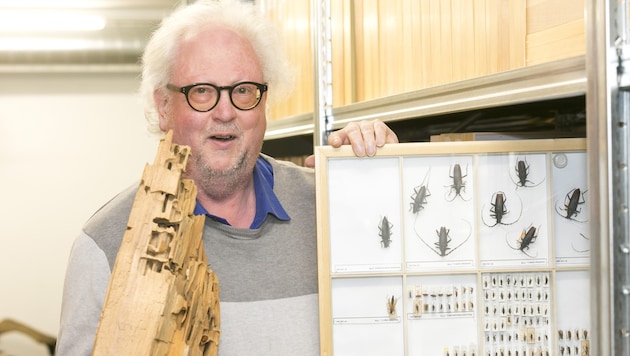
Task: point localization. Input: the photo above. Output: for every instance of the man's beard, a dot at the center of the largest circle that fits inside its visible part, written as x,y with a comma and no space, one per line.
218,184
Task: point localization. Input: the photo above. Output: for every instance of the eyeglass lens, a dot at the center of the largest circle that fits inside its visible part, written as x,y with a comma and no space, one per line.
204,97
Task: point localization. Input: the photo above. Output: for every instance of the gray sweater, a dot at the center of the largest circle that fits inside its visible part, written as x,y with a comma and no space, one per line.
267,276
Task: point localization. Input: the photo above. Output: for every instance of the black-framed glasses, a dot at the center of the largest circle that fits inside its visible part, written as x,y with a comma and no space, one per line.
205,96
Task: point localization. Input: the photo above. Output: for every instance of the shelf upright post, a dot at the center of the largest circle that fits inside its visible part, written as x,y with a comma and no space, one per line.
608,112
322,71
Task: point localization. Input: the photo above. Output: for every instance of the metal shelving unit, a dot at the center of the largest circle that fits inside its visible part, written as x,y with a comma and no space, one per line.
554,80
608,109
602,76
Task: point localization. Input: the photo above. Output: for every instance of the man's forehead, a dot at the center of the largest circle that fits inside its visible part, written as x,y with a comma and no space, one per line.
218,52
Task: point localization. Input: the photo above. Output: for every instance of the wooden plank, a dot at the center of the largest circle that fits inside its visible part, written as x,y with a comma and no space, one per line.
493,11
292,18
511,35
359,43
481,40
431,41
427,60
563,41
407,46
297,38
342,52
417,54
391,48
323,260
349,52
463,39
371,44
545,14
446,43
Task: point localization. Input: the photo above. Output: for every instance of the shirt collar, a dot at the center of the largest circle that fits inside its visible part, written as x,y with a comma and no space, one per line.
266,200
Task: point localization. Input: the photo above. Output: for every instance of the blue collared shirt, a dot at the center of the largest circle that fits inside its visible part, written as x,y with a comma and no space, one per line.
266,200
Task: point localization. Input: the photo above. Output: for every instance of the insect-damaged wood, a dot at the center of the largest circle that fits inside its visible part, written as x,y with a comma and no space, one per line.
162,298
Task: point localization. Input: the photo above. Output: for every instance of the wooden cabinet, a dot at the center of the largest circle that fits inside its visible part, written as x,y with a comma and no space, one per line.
390,58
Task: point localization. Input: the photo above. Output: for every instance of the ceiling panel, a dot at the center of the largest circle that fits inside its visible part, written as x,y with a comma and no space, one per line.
118,46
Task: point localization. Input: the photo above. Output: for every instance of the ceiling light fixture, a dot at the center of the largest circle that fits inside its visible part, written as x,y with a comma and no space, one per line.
44,44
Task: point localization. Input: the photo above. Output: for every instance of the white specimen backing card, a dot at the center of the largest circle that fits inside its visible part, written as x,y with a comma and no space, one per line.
572,288
454,248
370,191
451,212
447,303
361,321
525,207
570,224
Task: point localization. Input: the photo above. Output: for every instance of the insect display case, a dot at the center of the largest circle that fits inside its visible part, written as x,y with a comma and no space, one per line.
454,248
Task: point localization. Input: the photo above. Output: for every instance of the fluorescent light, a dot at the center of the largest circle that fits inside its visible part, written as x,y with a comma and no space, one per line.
44,44
15,4
31,20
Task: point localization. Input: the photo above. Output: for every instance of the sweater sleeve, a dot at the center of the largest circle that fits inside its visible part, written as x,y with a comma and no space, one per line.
85,286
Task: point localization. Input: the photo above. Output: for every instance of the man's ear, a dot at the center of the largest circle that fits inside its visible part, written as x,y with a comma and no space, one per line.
161,103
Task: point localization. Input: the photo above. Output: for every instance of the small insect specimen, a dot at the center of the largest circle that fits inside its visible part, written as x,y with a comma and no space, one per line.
571,207
498,210
522,175
527,237
441,247
417,307
443,241
459,185
419,196
391,307
385,232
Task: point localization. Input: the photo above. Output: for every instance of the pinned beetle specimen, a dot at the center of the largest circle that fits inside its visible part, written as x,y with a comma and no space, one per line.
443,240
391,307
458,185
385,232
420,194
442,247
528,236
521,171
571,207
498,210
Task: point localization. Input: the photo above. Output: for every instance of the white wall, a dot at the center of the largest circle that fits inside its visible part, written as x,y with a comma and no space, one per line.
68,143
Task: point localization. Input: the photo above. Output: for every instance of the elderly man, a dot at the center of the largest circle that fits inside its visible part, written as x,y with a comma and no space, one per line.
207,74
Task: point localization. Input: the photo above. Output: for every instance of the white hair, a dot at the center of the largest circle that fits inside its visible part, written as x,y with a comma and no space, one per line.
242,17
